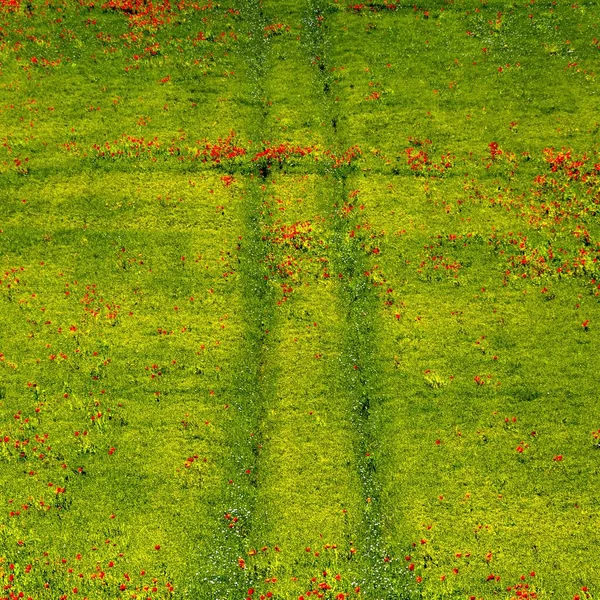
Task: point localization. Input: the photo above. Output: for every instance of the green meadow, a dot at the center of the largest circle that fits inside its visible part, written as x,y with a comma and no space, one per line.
299,300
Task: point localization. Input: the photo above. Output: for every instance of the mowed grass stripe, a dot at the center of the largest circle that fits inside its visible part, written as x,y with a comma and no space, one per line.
226,572
308,496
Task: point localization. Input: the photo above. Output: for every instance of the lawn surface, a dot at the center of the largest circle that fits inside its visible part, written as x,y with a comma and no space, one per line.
299,299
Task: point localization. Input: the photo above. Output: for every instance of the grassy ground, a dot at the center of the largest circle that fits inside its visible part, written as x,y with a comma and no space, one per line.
299,300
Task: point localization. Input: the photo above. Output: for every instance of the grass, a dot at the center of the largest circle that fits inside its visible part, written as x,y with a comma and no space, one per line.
299,300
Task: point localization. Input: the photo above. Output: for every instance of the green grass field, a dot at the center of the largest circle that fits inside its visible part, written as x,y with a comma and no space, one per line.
299,299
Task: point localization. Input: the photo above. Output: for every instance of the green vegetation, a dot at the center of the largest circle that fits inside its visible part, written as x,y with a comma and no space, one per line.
299,300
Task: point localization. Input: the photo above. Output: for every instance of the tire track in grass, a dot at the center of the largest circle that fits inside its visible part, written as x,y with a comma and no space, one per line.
383,576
